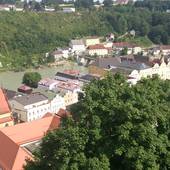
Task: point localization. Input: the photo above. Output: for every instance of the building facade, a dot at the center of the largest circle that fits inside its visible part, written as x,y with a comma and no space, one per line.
91,41
98,50
77,46
6,118
35,106
162,70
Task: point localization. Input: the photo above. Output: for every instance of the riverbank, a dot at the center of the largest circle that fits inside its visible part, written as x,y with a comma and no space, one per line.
12,80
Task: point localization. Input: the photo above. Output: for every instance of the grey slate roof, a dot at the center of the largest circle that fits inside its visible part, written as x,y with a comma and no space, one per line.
67,76
31,99
77,42
123,71
11,94
88,78
134,65
106,62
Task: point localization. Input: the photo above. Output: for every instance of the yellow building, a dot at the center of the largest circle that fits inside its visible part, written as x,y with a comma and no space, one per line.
92,41
6,118
70,98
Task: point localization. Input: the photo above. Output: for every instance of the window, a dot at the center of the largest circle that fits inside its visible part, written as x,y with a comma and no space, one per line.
6,125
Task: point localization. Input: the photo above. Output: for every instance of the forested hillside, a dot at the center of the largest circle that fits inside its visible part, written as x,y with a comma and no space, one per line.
26,36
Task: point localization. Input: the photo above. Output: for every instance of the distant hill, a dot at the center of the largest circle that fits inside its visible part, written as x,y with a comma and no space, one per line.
26,36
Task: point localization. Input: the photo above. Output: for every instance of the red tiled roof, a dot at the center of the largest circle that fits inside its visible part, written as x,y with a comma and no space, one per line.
24,87
97,46
35,130
4,106
72,72
54,123
47,115
63,113
123,44
6,119
12,156
165,47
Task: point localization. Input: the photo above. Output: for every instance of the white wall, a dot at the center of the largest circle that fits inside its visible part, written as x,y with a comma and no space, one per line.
37,110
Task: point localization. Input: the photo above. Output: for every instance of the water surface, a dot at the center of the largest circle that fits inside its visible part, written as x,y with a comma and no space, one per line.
12,80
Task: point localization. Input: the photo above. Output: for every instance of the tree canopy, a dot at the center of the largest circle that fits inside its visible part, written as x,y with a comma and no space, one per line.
108,3
31,79
114,126
84,3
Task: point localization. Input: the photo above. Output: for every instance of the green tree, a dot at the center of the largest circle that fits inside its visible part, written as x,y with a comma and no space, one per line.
115,126
121,26
52,2
38,7
124,51
50,59
108,3
84,3
31,79
158,35
57,7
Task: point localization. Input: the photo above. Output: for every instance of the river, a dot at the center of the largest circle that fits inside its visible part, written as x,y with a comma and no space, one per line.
12,80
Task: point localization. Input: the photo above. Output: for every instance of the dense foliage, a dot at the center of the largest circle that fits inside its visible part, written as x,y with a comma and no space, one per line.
8,1
84,3
114,126
26,36
156,5
31,79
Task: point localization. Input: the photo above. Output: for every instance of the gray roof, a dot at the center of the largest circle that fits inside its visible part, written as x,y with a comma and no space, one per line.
77,42
123,71
134,65
88,78
11,94
48,93
57,52
106,62
31,99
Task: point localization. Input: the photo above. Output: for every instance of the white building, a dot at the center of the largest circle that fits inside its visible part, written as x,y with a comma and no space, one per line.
162,49
19,9
47,83
108,44
77,46
98,50
6,7
35,106
162,70
49,9
69,10
66,52
58,55
131,48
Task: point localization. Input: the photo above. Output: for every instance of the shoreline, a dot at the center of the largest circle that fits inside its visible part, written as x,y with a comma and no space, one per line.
12,80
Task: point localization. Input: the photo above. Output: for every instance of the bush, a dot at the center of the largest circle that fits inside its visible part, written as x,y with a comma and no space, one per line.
31,79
